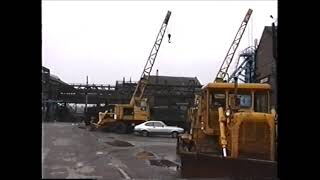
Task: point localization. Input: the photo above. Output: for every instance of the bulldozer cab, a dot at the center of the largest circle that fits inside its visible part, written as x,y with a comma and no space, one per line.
248,121
246,98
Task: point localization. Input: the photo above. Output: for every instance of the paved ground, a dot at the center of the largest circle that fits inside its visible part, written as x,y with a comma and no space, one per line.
71,152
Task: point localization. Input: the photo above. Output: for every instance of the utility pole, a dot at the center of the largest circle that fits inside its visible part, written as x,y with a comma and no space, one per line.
85,107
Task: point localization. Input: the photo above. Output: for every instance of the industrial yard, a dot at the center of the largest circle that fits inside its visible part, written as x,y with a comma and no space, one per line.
69,151
160,125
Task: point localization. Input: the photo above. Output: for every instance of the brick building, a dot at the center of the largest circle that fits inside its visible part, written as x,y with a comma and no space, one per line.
265,64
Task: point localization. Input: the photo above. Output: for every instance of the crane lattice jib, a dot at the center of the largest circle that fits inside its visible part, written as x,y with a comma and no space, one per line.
228,59
138,93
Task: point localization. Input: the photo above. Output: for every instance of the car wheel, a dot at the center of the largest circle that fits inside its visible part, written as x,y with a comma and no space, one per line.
145,133
174,134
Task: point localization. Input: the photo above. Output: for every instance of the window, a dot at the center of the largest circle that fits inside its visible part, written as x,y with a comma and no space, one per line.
158,124
149,124
245,101
264,80
128,111
219,99
261,102
110,108
245,98
143,103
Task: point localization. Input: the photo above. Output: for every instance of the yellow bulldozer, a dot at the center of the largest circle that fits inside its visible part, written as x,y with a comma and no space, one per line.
121,118
232,133
233,128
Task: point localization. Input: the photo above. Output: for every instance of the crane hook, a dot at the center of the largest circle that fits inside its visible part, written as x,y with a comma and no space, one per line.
169,36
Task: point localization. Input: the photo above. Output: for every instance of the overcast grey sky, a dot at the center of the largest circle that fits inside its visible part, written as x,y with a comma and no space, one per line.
109,40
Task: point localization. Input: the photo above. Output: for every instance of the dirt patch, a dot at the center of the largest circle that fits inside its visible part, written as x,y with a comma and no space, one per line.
119,143
82,127
144,155
162,163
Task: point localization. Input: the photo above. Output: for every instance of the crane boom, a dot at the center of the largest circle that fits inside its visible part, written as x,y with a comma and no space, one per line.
142,83
223,71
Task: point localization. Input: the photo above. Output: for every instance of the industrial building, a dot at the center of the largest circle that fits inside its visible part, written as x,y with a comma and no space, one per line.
265,62
168,96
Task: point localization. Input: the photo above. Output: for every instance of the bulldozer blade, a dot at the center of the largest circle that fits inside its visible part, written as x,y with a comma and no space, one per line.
214,166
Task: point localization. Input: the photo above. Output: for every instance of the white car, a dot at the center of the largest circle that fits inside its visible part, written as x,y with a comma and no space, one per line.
157,127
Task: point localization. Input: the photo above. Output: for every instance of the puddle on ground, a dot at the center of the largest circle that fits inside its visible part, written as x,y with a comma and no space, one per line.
119,143
144,155
162,163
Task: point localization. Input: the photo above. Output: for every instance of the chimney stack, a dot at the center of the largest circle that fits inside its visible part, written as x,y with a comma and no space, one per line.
157,74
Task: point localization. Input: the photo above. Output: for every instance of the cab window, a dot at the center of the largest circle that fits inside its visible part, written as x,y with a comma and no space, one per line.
218,99
245,98
261,102
245,101
110,108
143,105
128,111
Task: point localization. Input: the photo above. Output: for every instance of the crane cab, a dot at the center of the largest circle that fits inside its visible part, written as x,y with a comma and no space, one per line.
122,117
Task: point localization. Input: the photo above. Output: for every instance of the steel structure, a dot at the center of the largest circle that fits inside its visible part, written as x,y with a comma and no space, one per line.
246,70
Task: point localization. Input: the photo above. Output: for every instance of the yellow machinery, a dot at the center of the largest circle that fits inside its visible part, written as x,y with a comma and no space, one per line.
233,131
121,118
